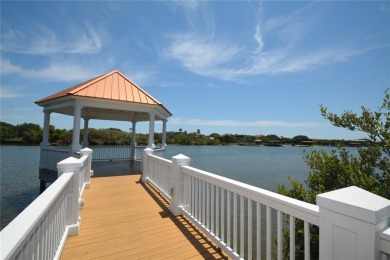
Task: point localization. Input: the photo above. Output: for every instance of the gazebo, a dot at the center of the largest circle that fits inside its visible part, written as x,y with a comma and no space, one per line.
111,96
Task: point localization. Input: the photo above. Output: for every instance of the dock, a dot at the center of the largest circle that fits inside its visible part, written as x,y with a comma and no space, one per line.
175,211
124,218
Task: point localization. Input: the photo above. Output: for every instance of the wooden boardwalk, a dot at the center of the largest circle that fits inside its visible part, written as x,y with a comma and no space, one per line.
126,219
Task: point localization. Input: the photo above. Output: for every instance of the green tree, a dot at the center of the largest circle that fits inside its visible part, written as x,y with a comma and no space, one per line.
369,170
30,133
6,131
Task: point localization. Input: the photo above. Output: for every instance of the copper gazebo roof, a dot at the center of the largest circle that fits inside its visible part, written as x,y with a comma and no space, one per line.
113,91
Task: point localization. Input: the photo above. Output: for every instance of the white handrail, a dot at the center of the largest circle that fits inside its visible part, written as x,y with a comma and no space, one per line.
51,156
215,204
219,207
40,231
45,219
300,209
160,176
244,220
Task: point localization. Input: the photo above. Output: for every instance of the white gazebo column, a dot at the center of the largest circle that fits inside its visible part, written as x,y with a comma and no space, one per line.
85,133
164,134
46,126
75,146
133,141
151,131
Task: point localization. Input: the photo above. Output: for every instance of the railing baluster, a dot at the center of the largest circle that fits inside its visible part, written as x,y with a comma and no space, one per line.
217,210
279,234
268,241
292,238
223,201
242,227
199,200
307,240
208,205
235,222
258,231
204,202
228,214
212,208
249,229
193,204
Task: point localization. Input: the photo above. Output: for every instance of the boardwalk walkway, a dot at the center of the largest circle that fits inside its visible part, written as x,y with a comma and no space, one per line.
126,219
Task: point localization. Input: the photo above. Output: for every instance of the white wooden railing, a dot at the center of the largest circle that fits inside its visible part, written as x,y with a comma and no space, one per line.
245,221
121,152
40,231
50,156
231,212
160,174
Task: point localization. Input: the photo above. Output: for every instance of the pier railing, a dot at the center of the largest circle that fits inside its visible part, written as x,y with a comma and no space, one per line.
116,152
40,231
50,156
245,221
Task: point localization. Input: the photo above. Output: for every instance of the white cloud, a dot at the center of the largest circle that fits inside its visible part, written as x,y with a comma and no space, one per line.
8,68
206,55
200,55
55,71
6,93
259,39
43,40
233,123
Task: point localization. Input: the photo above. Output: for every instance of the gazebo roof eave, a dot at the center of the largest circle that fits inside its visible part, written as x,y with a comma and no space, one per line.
64,105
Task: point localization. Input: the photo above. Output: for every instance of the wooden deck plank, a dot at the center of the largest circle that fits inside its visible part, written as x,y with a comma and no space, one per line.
126,219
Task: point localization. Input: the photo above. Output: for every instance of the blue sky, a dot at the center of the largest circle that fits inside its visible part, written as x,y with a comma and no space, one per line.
240,67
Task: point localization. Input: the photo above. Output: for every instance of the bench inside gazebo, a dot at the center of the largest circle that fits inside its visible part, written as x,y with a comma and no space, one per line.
111,96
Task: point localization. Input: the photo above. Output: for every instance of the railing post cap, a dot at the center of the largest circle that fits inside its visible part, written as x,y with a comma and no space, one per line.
148,150
69,162
357,203
86,150
181,159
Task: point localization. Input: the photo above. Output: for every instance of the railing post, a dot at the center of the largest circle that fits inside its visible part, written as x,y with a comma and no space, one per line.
145,165
351,220
72,164
87,177
177,186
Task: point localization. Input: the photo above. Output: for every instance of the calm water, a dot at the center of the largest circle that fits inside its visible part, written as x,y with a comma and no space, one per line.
19,180
264,167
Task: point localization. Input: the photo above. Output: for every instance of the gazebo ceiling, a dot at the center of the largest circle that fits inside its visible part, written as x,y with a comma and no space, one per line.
111,96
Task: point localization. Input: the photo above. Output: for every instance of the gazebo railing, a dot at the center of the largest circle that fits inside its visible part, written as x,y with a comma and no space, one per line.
122,152
50,156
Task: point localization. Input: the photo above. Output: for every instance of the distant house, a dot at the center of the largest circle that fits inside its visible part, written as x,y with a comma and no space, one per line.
258,142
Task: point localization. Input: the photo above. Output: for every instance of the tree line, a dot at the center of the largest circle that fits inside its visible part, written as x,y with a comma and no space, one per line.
31,134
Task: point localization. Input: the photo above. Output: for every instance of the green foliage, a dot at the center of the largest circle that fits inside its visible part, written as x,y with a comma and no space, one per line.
300,138
369,170
6,131
30,133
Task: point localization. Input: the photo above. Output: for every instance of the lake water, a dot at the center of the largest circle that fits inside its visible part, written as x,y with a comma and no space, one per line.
264,167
